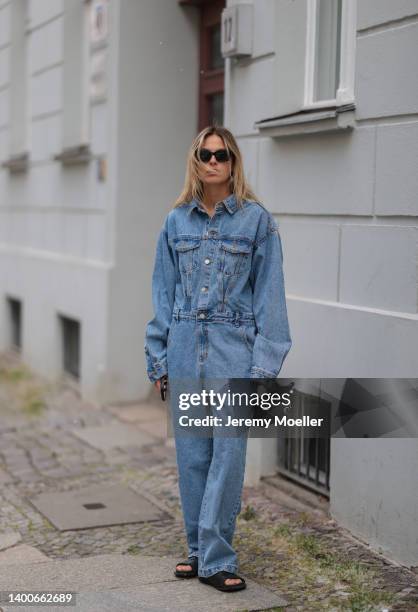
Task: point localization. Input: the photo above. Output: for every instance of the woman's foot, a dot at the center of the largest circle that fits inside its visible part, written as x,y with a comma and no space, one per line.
184,569
224,581
233,581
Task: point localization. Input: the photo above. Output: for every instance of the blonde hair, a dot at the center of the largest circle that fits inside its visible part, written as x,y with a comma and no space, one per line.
193,187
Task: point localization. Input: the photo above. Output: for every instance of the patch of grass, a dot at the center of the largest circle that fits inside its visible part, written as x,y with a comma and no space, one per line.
312,559
28,391
13,375
133,549
313,547
248,513
365,600
32,402
352,571
283,530
309,544
46,524
303,519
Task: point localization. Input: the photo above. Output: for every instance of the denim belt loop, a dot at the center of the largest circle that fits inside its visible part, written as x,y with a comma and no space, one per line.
237,316
176,315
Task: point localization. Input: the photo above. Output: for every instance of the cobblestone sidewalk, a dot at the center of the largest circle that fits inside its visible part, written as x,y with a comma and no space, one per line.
287,546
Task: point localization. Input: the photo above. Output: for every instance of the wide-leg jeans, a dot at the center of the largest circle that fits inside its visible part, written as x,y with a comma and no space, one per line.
210,468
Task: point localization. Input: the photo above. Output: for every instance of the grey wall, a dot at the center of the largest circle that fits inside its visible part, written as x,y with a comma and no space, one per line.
374,489
157,120
53,220
375,494
347,207
72,244
346,202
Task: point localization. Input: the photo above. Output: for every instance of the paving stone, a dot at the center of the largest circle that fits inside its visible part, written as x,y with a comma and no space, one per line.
21,554
155,428
96,506
5,477
105,437
138,413
132,582
9,539
56,472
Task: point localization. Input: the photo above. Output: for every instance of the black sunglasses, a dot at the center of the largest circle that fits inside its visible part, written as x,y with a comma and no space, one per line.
221,155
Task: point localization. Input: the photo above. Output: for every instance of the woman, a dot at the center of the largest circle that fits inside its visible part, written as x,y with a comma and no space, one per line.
220,311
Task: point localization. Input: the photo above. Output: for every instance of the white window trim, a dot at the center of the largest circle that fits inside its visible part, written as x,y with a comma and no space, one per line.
345,92
76,113
19,138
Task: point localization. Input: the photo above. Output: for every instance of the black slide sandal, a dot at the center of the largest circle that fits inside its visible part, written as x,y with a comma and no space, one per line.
193,561
218,581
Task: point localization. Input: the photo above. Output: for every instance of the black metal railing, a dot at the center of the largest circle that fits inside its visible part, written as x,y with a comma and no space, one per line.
306,459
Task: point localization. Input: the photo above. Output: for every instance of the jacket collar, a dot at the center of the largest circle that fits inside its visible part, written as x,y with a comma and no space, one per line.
230,204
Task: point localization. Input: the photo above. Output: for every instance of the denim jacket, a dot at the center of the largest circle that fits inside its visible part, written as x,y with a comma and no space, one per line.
229,263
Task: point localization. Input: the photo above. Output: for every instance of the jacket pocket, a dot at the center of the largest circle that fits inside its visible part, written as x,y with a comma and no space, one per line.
188,254
235,256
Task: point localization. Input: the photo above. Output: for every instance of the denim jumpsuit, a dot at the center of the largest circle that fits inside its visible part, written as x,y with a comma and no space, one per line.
220,311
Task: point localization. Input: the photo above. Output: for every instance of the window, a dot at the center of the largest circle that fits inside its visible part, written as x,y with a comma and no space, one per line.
211,81
314,58
329,53
327,49
75,111
75,114
15,319
211,62
18,118
70,333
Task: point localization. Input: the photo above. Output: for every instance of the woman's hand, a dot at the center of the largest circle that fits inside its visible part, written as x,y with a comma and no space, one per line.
162,385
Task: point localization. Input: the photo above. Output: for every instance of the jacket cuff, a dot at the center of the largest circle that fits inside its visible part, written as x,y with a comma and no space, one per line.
155,368
268,356
257,372
157,371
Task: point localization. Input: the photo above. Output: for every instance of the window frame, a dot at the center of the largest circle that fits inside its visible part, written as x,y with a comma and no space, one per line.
211,80
345,89
76,129
18,89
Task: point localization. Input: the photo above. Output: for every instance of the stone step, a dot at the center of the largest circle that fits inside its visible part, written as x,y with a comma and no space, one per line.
129,582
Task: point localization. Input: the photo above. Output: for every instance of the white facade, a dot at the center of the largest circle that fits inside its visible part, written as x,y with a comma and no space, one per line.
347,206
71,243
345,199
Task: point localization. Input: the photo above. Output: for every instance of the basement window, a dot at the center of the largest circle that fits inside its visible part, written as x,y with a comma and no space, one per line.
70,335
15,322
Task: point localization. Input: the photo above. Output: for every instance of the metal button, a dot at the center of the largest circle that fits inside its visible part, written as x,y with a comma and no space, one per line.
207,260
202,315
204,289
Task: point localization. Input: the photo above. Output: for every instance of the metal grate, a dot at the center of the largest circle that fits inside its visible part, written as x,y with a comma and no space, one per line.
306,459
15,318
71,346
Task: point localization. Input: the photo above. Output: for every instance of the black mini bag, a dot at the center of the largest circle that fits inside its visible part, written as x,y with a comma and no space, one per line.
163,386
